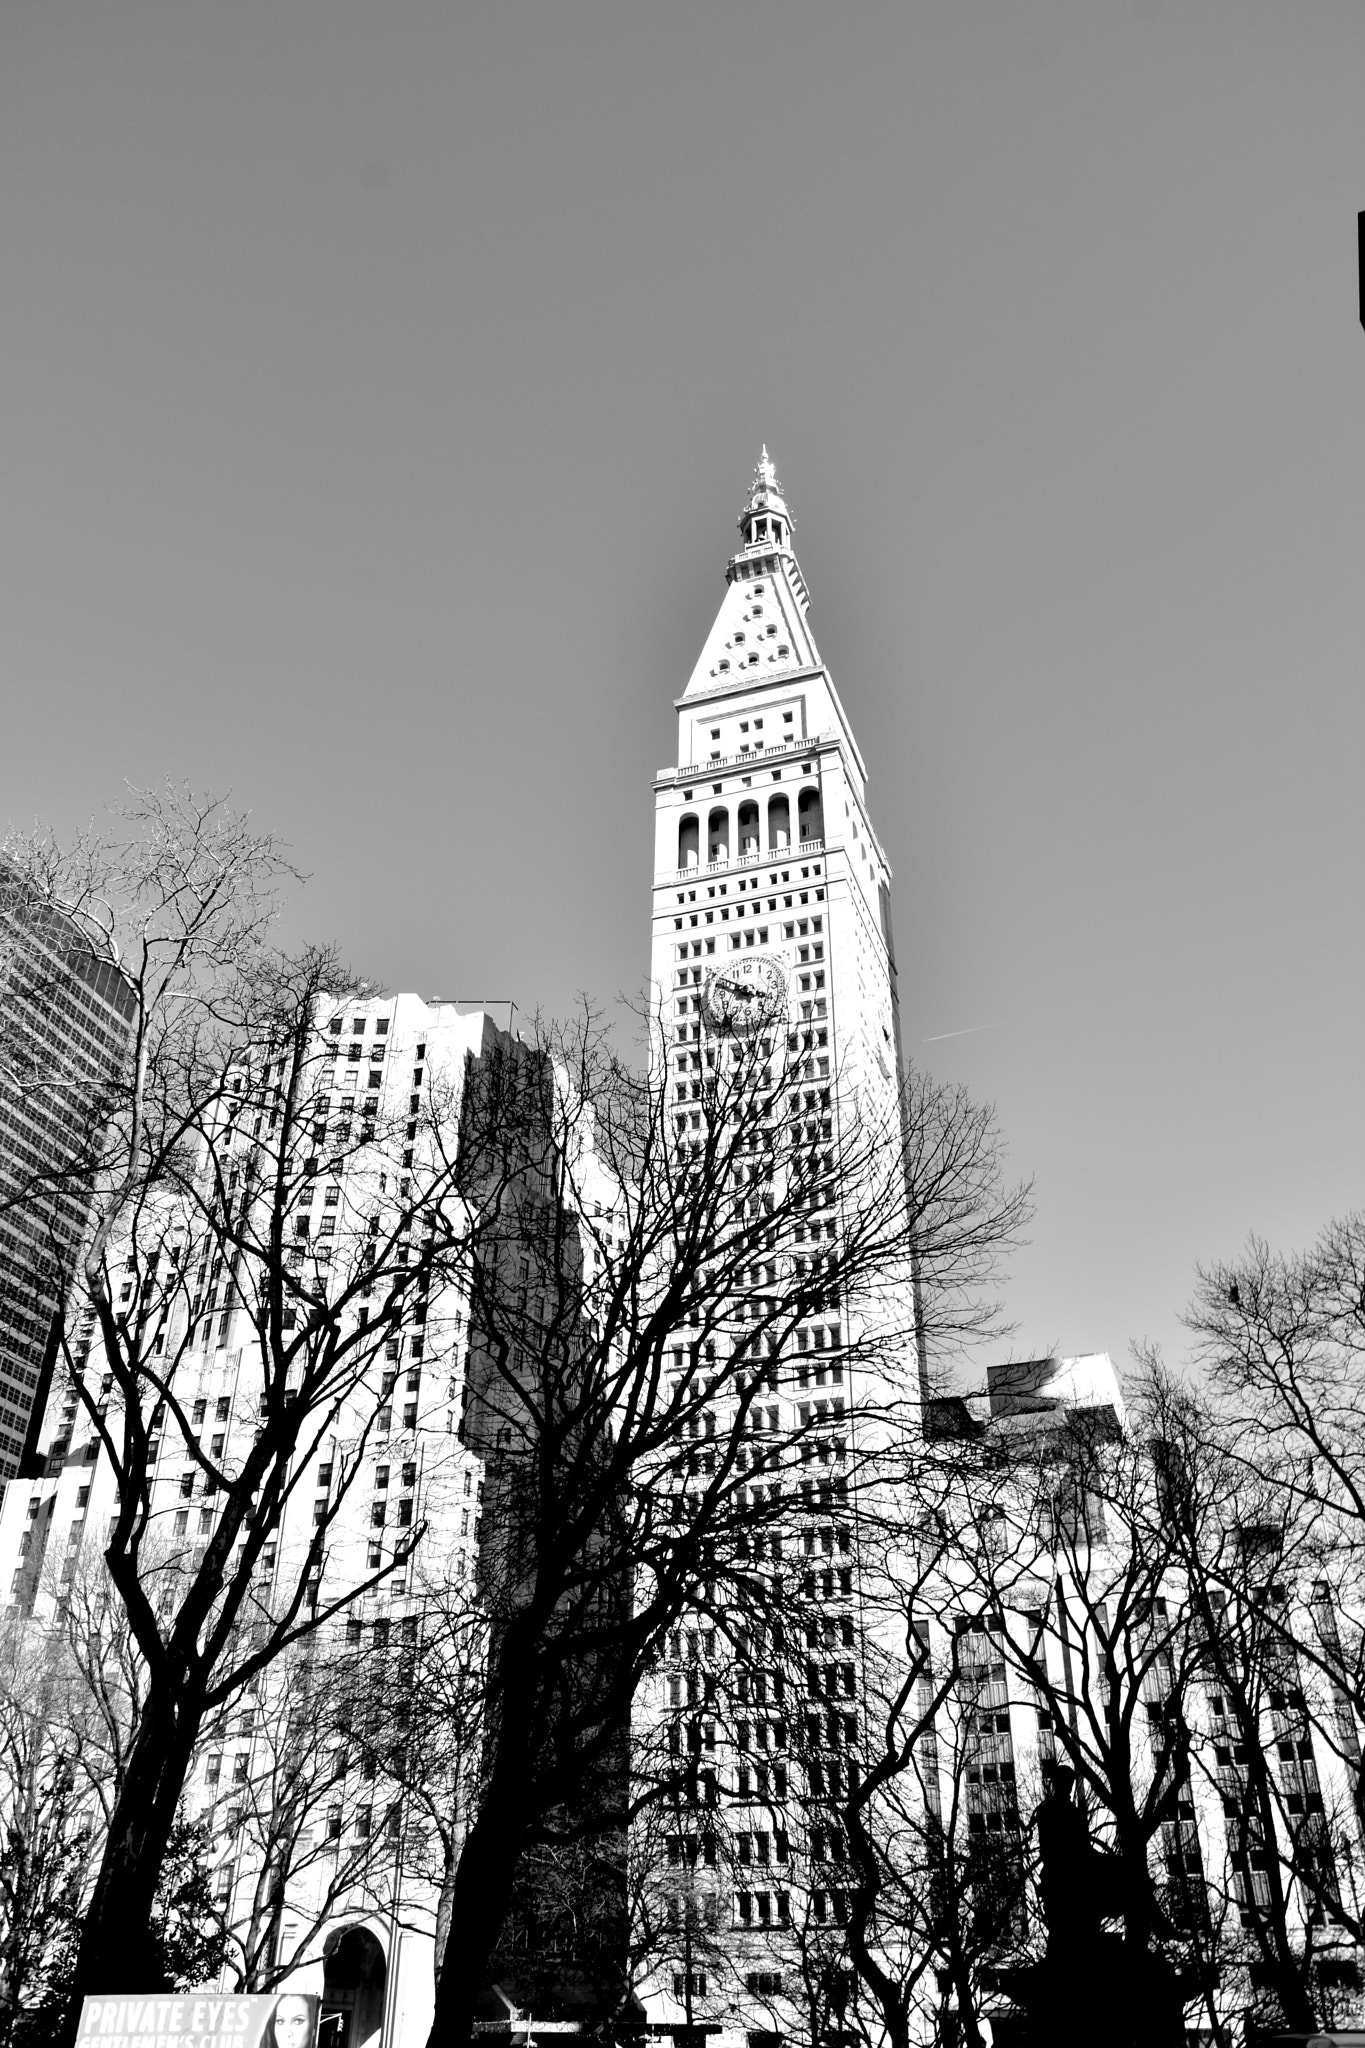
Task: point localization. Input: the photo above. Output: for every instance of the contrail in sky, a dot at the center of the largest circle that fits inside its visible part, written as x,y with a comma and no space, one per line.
940,1035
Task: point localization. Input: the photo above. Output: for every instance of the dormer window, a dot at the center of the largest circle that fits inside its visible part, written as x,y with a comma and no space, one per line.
739,639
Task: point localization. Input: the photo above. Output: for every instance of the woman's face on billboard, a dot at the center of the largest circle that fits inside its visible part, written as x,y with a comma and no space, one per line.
293,2023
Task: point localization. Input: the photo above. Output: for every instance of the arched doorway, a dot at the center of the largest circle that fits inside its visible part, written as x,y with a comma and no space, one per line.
352,1989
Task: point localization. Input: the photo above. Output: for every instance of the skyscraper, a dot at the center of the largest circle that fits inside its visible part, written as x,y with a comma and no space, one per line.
379,1127
772,915
65,1024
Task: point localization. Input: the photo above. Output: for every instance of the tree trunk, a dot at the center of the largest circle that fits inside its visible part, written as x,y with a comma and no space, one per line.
966,1999
117,1955
480,1898
445,1903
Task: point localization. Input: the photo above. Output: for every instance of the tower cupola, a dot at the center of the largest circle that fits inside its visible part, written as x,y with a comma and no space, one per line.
765,521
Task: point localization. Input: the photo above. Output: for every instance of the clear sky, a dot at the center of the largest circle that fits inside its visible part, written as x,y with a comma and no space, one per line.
378,388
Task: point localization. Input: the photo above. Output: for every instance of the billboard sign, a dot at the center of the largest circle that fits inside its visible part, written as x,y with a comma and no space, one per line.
201,2019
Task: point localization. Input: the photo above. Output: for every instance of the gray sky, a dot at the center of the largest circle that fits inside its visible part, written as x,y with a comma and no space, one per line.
378,387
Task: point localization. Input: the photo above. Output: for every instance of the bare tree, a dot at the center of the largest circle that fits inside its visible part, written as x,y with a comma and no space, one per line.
679,1860
332,1776
210,1139
1281,1340
64,1718
47,1837
936,1866
638,1395
1251,1561
1085,1575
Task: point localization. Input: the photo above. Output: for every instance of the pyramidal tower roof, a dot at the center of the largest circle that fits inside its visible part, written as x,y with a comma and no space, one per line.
734,652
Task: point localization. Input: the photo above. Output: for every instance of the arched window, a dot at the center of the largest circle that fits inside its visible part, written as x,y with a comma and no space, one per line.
810,814
718,835
689,842
779,824
748,828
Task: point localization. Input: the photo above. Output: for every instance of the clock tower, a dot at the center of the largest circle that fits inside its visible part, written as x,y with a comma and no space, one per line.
772,917
771,890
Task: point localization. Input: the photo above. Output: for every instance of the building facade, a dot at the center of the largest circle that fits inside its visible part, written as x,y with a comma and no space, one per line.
326,1795
772,915
65,1025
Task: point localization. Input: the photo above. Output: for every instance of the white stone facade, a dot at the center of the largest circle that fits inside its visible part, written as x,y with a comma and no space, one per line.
770,887
380,1061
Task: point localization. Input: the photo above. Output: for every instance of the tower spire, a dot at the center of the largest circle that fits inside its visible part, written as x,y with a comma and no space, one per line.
766,520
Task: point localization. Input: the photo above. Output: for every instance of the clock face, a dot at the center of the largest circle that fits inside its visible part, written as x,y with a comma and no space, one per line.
746,993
